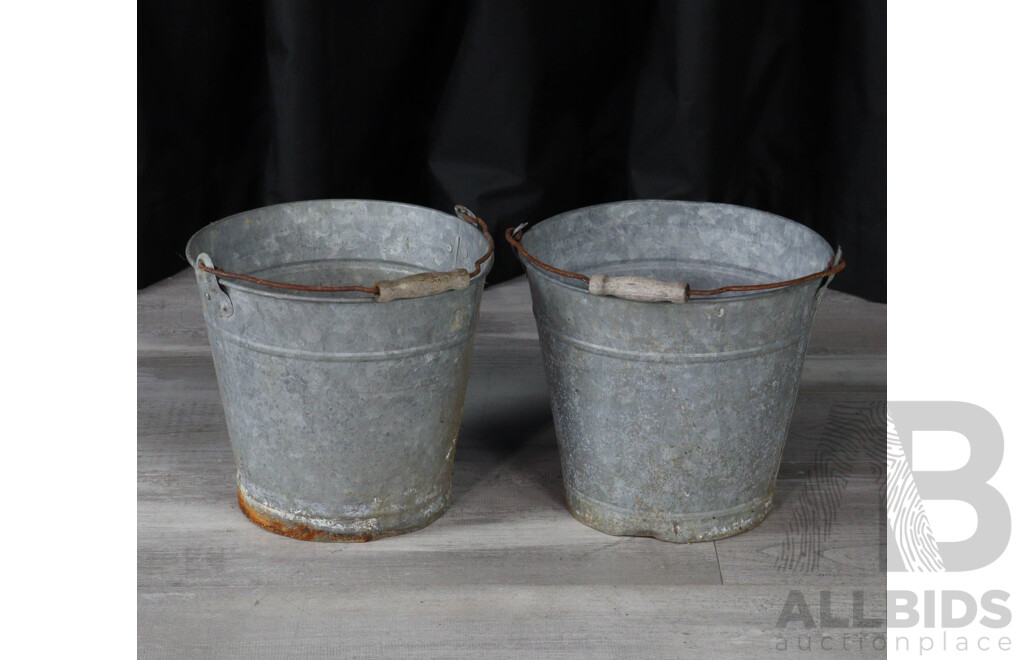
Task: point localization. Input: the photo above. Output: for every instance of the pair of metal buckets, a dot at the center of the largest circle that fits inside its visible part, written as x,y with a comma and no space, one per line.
342,330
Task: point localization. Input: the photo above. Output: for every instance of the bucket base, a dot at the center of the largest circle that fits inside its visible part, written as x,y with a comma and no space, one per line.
677,528
339,531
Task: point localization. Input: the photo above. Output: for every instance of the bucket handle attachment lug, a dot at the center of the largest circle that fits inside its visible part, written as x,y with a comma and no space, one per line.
838,258
212,291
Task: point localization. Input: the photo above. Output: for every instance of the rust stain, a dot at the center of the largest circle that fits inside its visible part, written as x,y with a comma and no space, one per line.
301,532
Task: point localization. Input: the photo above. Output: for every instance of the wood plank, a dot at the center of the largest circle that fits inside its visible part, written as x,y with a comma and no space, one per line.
848,325
170,317
835,434
611,621
808,539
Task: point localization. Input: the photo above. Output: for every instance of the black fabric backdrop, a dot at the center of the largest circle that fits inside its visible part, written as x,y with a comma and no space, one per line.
519,110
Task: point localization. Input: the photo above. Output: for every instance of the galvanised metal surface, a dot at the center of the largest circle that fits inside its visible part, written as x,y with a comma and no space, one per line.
671,417
342,411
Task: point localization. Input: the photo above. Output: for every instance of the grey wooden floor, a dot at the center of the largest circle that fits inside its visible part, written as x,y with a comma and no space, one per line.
507,571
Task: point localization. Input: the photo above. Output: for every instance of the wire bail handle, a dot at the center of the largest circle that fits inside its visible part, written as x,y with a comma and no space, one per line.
411,286
648,289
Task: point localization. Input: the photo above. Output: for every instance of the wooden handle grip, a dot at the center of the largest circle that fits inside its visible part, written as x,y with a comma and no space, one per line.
640,289
421,284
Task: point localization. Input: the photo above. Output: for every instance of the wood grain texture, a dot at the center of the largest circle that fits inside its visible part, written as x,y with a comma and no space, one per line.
421,285
507,571
507,621
641,289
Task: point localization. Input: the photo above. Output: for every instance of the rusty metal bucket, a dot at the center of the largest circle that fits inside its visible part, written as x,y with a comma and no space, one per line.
673,335
341,333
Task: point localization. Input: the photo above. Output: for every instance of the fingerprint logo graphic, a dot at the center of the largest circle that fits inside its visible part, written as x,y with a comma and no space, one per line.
905,510
849,443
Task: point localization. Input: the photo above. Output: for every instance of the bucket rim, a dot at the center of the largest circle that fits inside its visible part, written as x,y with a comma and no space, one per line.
191,254
709,300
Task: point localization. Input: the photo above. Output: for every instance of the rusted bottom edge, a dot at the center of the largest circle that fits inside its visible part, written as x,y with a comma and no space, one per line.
369,530
675,528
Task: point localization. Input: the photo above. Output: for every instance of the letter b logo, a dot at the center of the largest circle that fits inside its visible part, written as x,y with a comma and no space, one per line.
911,544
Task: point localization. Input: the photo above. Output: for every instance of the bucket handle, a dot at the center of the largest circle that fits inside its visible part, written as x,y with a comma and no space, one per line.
828,280
648,289
412,286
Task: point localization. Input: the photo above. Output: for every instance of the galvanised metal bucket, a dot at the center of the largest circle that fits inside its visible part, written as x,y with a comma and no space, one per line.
342,409
671,416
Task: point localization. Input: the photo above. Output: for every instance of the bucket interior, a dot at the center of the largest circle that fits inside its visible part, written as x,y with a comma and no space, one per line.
706,245
338,243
